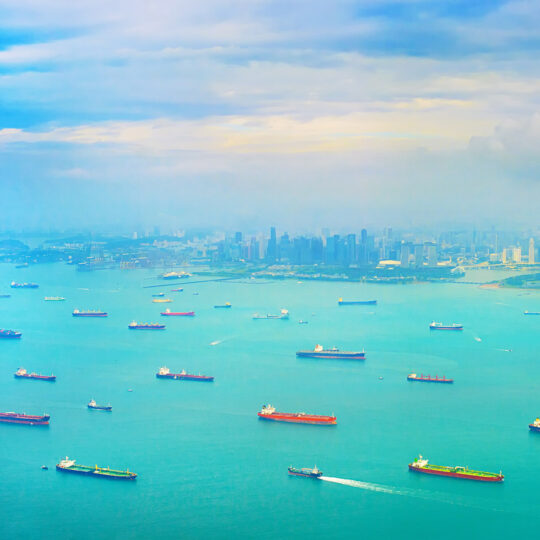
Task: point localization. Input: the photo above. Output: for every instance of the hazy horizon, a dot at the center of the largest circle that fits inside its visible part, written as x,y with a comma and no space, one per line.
404,113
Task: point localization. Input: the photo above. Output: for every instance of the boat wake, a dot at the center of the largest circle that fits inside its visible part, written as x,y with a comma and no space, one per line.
362,485
216,342
478,339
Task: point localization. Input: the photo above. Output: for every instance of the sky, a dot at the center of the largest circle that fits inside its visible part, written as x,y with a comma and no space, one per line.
239,114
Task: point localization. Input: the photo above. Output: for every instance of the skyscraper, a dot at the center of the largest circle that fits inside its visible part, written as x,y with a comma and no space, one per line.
405,254
532,259
419,255
271,252
431,249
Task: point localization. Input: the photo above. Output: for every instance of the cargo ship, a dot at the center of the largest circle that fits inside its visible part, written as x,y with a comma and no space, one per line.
31,420
309,473
15,285
94,405
175,275
440,326
284,315
428,378
54,299
334,353
421,465
21,373
69,465
269,413
225,305
145,326
342,302
535,426
162,300
169,313
531,313
89,313
9,334
165,373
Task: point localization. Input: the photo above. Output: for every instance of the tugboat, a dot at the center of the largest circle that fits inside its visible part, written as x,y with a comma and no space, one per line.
94,405
69,465
342,302
440,326
334,352
535,426
145,326
429,378
421,465
269,413
224,306
169,313
16,418
284,315
165,373
89,313
9,334
308,473
21,373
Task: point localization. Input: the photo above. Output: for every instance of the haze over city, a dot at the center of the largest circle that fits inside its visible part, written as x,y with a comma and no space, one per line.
240,115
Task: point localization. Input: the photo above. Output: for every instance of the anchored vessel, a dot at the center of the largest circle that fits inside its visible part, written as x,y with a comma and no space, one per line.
89,313
269,413
21,373
16,418
9,334
145,326
334,352
309,473
165,373
342,302
428,378
531,313
162,300
94,405
69,465
535,426
5,295
15,285
440,326
169,313
284,315
177,290
54,299
421,465
158,295
225,305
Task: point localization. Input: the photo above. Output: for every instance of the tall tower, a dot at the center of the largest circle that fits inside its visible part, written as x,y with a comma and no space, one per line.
531,252
405,253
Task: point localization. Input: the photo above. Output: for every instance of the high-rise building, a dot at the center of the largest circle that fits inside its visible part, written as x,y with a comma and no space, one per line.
405,254
532,259
431,249
271,252
419,255
516,255
237,237
351,248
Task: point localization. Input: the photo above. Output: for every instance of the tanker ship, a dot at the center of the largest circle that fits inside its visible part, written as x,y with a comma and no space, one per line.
440,326
309,473
89,313
69,465
269,413
334,352
16,418
169,313
145,326
421,465
165,373
21,373
428,378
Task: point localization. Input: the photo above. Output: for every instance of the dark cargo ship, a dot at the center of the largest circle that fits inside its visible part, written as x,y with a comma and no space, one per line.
429,378
165,373
334,353
309,473
21,373
89,313
16,418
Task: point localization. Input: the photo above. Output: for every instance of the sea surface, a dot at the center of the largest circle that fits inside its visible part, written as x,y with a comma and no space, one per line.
208,468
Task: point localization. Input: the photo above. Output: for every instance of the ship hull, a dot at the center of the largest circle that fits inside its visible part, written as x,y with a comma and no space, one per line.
179,314
89,314
305,475
50,378
447,328
180,377
532,427
94,473
293,419
146,327
359,303
10,336
100,408
462,476
332,355
417,379
32,421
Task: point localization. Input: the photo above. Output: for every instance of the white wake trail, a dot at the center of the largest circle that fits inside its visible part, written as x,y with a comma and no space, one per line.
362,485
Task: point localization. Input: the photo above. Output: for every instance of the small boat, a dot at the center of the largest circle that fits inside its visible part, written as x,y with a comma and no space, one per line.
177,290
535,426
165,373
283,315
158,295
44,467
89,313
531,313
440,326
21,373
23,265
308,473
69,465
15,285
169,313
342,302
94,405
9,334
334,353
302,322
269,413
175,275
429,378
54,299
162,300
145,326
422,465
225,305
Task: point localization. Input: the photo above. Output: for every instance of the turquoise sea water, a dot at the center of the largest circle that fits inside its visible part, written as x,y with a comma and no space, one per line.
208,468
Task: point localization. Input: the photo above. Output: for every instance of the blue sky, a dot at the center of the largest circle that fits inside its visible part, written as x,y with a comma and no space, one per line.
245,113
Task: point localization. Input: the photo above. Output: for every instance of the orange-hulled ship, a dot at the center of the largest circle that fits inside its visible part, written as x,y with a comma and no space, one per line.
269,413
